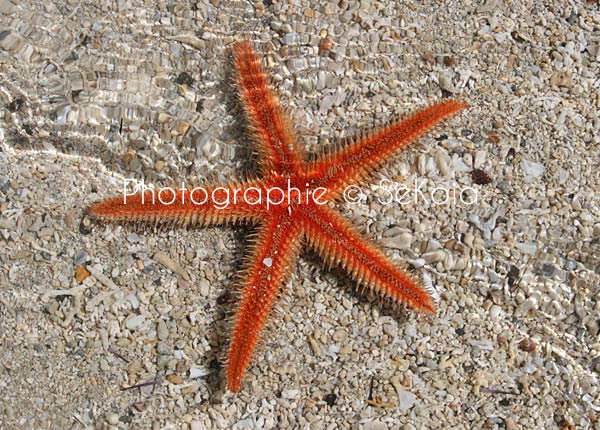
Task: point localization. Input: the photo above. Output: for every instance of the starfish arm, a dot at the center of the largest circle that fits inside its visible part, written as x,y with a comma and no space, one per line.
208,205
337,170
277,147
338,243
272,258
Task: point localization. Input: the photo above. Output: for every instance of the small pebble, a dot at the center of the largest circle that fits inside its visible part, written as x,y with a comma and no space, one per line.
495,312
406,400
339,335
374,425
290,394
162,330
174,379
198,372
197,425
134,321
162,258
81,273
112,418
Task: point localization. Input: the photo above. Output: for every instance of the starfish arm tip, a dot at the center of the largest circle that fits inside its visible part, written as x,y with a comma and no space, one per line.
462,104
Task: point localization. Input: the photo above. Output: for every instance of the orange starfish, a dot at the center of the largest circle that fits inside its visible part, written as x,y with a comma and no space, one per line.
291,203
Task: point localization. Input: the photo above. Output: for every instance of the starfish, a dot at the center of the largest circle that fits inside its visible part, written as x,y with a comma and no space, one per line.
292,202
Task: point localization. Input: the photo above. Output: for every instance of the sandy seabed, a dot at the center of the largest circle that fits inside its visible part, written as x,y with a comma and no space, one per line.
94,93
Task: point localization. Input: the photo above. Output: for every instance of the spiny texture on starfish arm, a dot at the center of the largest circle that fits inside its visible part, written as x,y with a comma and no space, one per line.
299,218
